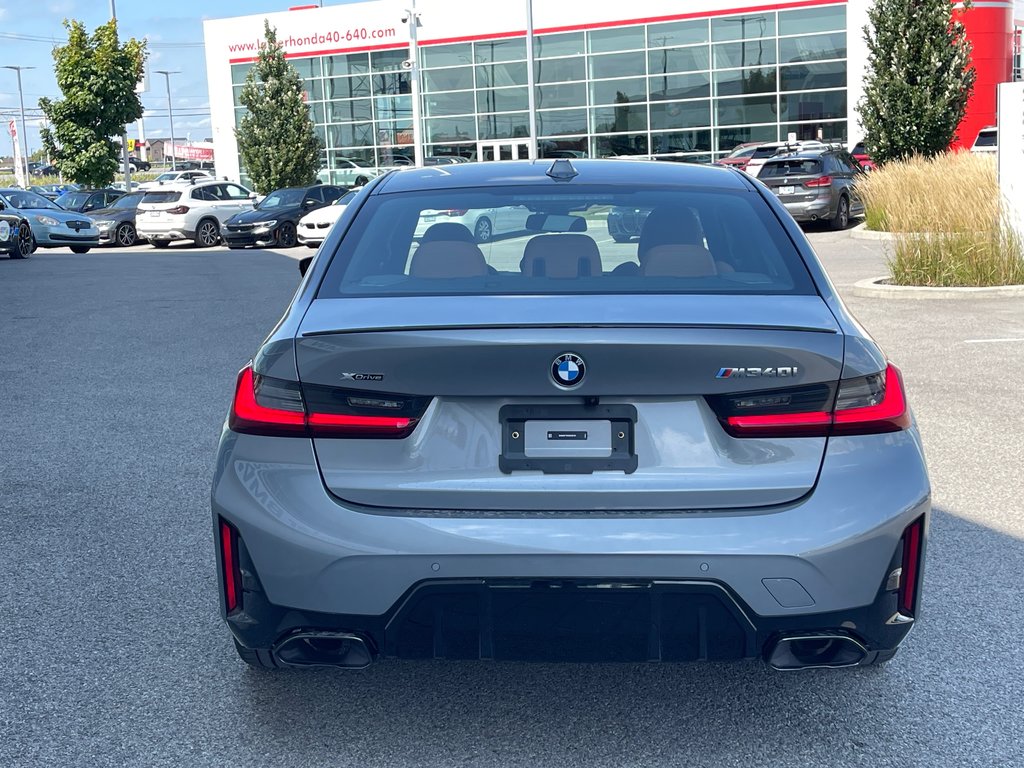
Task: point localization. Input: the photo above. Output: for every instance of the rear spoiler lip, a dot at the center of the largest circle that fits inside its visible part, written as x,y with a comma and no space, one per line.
497,326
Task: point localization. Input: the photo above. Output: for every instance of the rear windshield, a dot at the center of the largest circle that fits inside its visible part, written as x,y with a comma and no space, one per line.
162,197
986,139
73,199
565,240
779,168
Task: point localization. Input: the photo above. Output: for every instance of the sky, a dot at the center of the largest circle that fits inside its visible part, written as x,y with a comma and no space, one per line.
175,33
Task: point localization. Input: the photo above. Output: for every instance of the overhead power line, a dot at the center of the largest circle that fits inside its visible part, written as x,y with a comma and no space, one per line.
60,41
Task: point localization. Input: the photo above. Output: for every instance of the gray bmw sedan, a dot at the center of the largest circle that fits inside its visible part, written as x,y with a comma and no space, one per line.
555,446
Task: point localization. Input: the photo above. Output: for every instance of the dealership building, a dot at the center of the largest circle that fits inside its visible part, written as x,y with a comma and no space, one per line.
643,77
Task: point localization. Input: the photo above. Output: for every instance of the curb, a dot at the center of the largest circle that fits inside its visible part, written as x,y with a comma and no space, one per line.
861,232
876,288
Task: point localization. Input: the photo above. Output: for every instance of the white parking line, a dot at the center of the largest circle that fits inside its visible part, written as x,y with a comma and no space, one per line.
991,341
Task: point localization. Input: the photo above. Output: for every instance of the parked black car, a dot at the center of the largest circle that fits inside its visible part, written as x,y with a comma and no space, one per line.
15,236
816,185
43,169
116,222
88,200
138,164
275,220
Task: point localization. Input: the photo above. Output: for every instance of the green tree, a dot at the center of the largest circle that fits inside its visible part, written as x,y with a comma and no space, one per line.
277,142
919,78
97,75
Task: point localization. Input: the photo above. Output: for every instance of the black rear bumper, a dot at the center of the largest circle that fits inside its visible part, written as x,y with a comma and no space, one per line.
556,620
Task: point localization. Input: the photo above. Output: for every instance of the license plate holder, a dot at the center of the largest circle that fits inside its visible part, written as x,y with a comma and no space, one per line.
568,439
787,190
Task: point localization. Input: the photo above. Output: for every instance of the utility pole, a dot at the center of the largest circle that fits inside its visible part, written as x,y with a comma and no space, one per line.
170,112
413,20
124,131
24,131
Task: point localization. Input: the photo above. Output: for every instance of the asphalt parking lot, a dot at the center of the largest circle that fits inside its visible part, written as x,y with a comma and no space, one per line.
116,369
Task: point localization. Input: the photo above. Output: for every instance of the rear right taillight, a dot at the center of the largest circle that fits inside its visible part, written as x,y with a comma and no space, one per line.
861,406
277,408
178,210
821,181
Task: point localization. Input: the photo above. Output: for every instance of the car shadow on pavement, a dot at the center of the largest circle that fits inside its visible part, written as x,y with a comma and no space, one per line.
950,691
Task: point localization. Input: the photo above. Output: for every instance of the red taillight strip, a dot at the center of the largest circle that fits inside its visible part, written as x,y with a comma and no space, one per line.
792,423
249,417
339,423
911,567
890,415
230,572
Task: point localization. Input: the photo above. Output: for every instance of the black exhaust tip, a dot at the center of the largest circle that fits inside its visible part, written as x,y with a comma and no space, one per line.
310,648
815,651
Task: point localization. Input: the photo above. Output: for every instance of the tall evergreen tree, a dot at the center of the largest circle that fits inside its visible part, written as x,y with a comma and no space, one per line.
97,75
919,78
277,142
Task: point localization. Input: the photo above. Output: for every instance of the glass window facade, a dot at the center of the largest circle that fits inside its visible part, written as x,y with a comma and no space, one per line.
698,86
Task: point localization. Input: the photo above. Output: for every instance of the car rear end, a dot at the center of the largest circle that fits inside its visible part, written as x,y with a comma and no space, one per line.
162,216
543,448
802,186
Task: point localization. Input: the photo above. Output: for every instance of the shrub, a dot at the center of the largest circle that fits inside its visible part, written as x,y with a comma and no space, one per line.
951,225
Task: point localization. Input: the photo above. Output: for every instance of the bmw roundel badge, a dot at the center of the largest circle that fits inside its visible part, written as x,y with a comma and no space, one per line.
568,370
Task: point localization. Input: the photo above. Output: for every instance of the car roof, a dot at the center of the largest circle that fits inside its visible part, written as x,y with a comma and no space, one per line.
803,155
519,172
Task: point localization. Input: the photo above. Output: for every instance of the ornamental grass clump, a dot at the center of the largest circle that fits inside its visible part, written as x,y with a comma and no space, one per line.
951,226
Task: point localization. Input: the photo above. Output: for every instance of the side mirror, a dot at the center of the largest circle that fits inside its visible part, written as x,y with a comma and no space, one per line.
309,203
253,196
304,263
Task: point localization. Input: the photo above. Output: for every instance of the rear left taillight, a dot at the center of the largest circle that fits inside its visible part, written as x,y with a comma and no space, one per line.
455,212
277,408
821,181
862,406
231,573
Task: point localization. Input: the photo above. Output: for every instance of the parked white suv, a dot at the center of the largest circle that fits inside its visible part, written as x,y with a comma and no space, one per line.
190,211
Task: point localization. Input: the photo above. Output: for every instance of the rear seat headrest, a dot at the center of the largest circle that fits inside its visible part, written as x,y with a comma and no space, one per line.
447,258
561,256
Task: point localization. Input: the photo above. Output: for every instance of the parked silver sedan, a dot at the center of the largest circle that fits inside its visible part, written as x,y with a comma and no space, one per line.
559,447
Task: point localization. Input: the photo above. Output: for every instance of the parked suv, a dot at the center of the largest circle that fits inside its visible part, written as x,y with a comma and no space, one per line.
193,212
816,185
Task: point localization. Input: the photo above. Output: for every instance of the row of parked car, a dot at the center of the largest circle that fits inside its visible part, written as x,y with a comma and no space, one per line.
196,208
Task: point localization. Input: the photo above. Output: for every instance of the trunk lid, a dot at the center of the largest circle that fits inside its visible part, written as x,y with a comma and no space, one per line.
423,348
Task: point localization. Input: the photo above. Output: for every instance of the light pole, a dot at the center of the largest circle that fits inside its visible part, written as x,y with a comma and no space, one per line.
412,18
170,112
24,132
